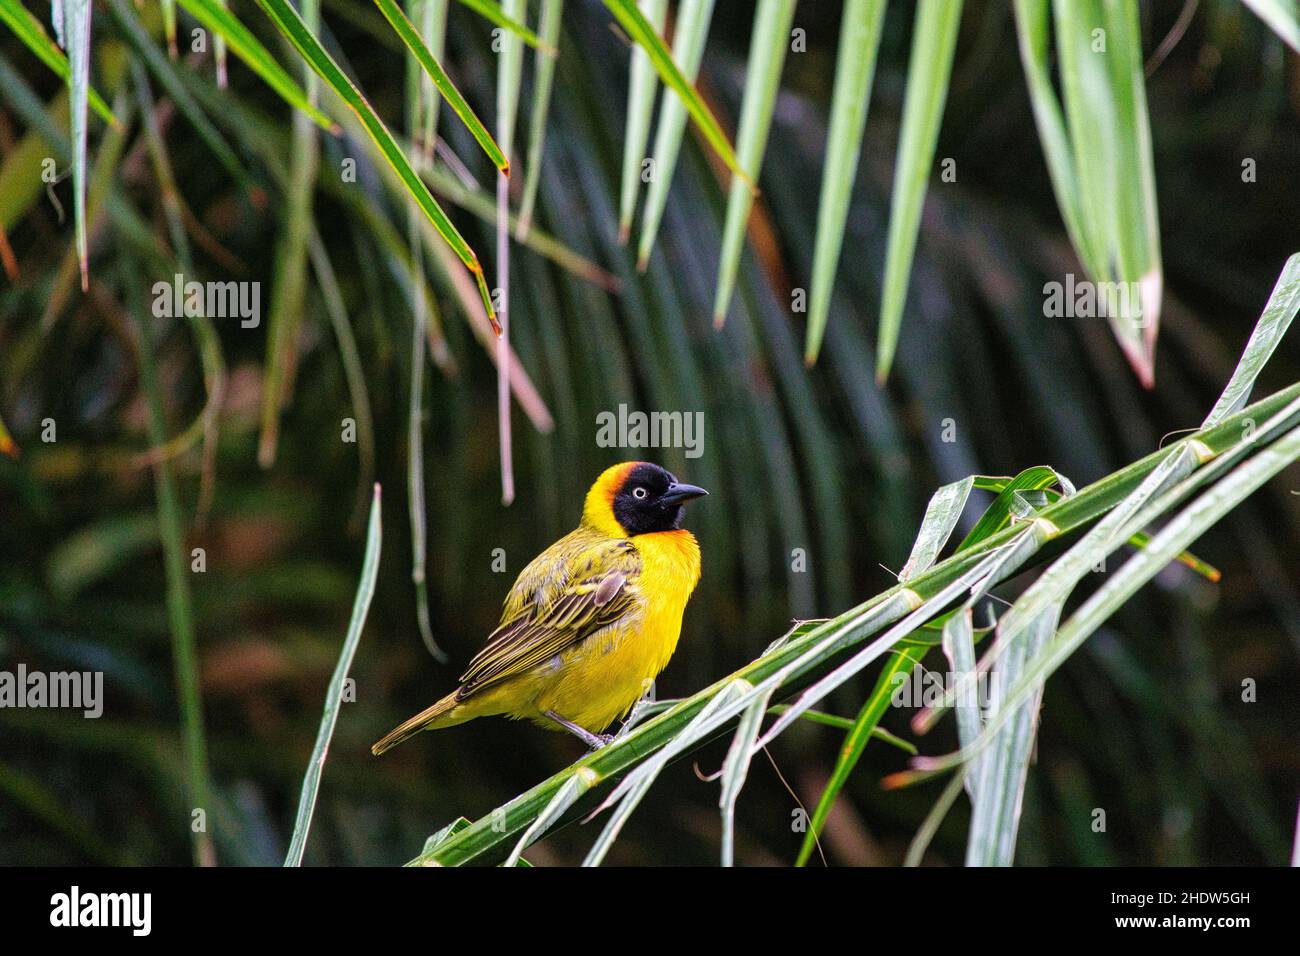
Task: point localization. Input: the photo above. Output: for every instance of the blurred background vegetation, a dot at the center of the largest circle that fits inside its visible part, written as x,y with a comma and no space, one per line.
1148,722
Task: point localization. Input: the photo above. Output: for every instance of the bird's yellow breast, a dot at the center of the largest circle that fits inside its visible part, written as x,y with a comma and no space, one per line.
599,680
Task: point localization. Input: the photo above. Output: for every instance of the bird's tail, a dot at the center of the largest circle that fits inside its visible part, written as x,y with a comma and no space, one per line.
426,719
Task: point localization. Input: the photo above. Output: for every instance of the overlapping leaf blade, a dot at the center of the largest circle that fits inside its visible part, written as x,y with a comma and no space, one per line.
411,37
248,48
689,36
640,105
767,47
638,28
287,20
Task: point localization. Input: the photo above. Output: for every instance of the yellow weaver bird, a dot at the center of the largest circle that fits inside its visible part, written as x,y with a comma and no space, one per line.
591,620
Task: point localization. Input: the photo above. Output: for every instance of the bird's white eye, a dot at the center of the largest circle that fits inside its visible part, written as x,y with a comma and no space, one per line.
639,492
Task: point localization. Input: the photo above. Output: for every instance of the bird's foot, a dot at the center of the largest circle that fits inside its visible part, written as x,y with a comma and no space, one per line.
593,741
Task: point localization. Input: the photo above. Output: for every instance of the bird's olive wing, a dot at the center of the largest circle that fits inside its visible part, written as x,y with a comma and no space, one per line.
601,595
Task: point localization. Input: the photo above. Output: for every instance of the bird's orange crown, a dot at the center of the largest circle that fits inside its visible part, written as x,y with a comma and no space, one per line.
598,510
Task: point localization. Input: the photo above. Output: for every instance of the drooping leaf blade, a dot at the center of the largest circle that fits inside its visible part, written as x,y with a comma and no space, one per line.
493,11
898,667
638,28
640,103
934,40
249,49
855,66
287,20
689,36
411,37
30,31
334,695
543,83
768,43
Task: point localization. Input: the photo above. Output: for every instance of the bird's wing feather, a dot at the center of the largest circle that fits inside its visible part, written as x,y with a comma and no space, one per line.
559,600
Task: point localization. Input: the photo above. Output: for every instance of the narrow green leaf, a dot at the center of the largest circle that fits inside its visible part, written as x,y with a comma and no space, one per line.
855,66
934,40
170,80
411,37
289,285
287,20
446,833
930,825
767,45
433,30
1114,222
424,309
353,372
941,516
565,797
510,67
959,648
1085,93
640,104
1009,501
169,26
1136,221
1035,47
735,768
630,791
543,83
180,609
690,33
638,28
898,667
249,49
1208,571
998,790
334,696
29,29
490,10
1279,311
847,723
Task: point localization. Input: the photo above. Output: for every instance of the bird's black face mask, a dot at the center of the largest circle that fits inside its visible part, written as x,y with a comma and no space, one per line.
651,499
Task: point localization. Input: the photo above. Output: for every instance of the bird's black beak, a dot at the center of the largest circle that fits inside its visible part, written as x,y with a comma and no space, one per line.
678,492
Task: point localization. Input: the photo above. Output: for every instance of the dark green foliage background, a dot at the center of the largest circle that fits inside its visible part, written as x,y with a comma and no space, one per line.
1147,723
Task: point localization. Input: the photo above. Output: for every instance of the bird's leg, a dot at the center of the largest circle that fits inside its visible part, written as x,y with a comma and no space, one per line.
594,741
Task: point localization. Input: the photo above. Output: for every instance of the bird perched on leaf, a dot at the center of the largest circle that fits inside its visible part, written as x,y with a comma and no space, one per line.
591,620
